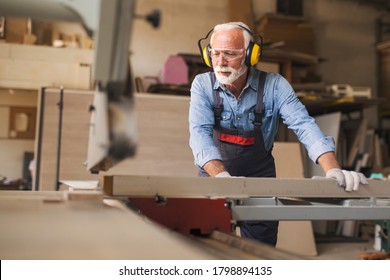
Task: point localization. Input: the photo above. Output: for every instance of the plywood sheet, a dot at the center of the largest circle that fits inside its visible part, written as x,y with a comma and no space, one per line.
297,237
288,160
293,236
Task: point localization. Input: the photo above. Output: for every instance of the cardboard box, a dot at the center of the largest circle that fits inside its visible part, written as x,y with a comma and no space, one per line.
15,30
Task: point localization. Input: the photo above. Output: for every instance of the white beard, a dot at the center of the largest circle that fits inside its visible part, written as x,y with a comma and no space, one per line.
234,74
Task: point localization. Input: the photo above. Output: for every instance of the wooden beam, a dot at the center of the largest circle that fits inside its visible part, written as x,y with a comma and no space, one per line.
147,186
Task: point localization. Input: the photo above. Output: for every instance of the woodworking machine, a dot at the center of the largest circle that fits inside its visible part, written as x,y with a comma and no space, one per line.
220,203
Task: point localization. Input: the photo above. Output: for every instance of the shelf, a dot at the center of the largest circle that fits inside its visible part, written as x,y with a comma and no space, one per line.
318,105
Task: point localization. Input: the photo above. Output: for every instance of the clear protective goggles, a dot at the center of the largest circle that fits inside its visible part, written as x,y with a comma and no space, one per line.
227,54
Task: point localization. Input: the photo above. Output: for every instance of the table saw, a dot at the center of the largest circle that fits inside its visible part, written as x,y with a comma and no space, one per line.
154,217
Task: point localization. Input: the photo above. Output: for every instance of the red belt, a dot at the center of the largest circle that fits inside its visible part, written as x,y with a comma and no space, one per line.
236,139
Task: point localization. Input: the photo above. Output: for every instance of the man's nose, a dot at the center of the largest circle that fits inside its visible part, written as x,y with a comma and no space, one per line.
220,60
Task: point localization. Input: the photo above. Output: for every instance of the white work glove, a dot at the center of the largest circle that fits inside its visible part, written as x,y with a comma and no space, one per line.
348,179
223,174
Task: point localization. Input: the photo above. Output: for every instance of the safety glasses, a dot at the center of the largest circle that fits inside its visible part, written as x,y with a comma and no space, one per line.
227,54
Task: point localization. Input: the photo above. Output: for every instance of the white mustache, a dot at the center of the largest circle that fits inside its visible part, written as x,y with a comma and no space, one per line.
224,69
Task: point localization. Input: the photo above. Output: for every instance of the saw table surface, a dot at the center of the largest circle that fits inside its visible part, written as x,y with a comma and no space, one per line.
59,225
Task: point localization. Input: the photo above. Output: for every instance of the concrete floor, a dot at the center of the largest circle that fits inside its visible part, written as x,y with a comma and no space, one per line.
343,250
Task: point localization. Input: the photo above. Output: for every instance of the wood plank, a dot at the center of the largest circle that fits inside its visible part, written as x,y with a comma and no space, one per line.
45,74
238,187
37,228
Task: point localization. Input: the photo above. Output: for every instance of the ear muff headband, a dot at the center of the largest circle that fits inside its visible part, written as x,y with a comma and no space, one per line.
204,52
252,53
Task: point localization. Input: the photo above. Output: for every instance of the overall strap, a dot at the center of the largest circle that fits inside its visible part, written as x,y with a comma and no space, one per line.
259,110
218,104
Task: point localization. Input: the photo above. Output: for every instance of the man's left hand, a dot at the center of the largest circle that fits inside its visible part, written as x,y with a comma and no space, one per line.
348,179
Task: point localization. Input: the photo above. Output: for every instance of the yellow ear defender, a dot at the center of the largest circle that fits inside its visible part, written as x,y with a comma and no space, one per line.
206,56
252,52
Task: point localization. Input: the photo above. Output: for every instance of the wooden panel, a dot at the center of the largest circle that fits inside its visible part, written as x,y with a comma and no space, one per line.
31,67
293,236
74,138
4,122
291,168
297,237
48,126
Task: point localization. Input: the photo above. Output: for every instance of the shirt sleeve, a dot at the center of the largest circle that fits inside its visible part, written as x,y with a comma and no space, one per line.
201,121
294,114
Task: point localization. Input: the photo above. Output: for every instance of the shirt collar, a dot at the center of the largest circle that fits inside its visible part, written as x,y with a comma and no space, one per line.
253,79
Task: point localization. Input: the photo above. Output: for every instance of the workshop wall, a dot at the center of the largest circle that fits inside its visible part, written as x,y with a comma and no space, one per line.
182,24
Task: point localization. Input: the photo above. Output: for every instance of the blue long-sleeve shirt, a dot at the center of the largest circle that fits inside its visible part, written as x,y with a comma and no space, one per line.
280,101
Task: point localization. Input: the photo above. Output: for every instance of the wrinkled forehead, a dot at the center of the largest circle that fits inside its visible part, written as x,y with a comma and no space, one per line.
228,39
